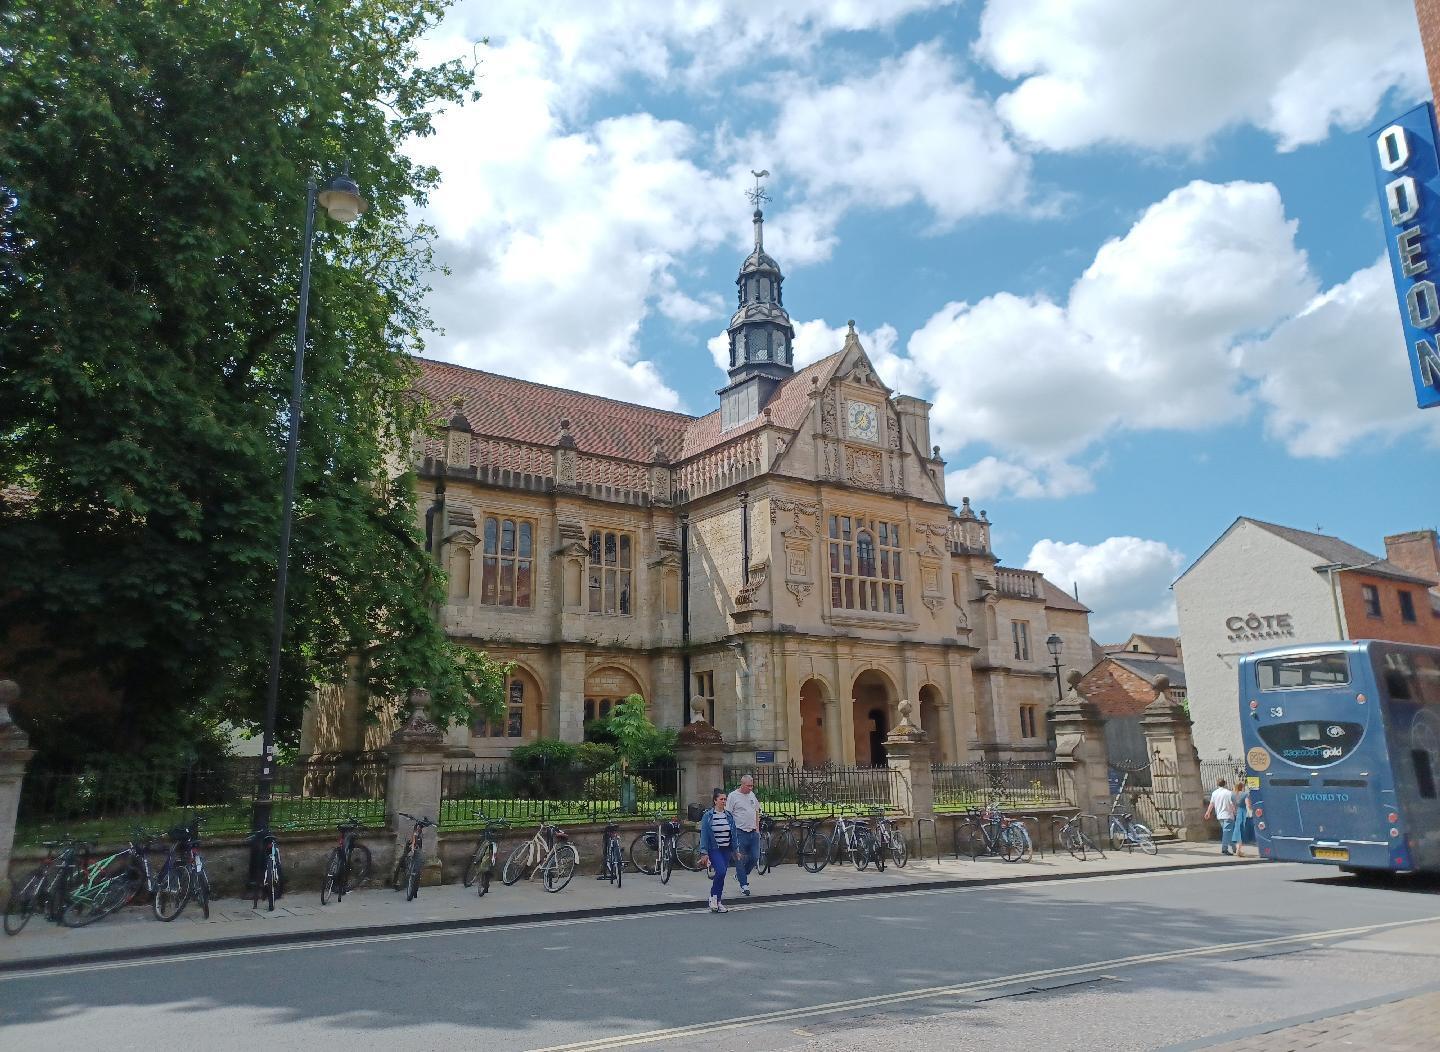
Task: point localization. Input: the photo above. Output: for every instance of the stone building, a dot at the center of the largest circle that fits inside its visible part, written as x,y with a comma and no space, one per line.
1262,585
791,557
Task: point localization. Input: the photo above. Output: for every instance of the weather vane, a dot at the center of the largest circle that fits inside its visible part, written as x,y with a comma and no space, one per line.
758,195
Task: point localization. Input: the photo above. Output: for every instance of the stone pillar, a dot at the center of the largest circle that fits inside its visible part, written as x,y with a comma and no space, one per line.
699,758
1170,739
907,752
1080,750
417,756
15,754
834,731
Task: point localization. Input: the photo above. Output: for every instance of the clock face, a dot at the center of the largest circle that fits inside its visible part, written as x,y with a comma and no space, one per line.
862,420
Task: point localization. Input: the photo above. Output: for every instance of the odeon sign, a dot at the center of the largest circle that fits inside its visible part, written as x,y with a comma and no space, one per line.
1408,174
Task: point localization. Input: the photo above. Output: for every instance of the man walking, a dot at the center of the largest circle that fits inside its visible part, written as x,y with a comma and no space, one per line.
744,808
1222,807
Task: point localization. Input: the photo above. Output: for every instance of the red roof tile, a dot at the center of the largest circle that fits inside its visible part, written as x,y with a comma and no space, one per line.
788,406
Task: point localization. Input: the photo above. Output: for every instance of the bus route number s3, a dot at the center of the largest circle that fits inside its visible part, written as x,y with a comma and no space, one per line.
1276,711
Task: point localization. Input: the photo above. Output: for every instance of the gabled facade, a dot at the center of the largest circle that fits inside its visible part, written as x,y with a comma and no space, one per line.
790,559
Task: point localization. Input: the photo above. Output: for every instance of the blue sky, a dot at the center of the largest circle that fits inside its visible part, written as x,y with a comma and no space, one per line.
1131,253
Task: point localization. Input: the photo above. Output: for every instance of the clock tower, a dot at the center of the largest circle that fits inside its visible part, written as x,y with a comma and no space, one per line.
761,338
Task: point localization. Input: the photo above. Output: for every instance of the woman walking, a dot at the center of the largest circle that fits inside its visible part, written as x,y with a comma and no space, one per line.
1241,793
717,839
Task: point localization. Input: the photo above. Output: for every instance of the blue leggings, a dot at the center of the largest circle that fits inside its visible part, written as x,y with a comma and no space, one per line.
720,861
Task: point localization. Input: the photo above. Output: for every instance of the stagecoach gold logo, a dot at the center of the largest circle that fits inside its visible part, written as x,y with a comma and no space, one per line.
1258,759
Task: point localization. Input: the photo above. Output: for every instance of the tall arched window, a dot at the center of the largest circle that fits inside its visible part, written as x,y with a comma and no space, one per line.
507,574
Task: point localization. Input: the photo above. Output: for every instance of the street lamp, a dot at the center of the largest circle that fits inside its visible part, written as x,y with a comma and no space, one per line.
342,201
1055,644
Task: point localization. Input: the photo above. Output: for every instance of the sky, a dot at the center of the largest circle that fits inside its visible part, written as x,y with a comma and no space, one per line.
1132,253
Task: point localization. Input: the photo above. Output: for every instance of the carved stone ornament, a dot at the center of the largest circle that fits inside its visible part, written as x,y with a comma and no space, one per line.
419,729
933,602
865,467
827,417
750,592
799,589
797,508
905,731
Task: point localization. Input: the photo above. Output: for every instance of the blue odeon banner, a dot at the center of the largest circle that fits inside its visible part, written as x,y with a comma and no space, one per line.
1407,170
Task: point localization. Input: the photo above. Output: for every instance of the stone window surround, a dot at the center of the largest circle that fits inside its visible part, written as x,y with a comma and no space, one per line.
883,561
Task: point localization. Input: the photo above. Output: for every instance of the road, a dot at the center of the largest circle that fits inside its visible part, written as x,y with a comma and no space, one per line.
1180,960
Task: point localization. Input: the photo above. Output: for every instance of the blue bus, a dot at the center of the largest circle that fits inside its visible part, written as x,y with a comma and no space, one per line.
1342,746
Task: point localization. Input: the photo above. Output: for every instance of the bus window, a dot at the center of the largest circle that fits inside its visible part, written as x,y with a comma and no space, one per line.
1303,670
1424,775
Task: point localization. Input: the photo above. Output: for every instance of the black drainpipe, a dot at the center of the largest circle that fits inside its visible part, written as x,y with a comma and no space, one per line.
685,616
745,536
436,506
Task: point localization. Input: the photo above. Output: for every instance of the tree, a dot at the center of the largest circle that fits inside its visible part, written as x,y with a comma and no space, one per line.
156,154
641,743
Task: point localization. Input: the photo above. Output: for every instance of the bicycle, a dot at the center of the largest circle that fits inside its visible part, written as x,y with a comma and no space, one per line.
348,865
991,832
654,851
847,835
172,882
778,843
191,859
269,877
1127,833
45,890
548,852
412,859
481,867
888,840
1072,834
111,882
612,858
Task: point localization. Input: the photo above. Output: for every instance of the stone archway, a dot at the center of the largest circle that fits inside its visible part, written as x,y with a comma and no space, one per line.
814,750
607,686
873,696
930,720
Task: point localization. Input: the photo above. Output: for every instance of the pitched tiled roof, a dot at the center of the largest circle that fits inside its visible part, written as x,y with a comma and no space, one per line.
788,406
504,407
1148,668
1058,599
1335,551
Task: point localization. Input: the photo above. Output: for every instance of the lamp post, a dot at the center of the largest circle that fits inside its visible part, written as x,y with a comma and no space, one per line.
1055,645
342,201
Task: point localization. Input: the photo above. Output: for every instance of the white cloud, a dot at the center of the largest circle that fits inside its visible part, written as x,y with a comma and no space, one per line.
1145,340
1173,73
993,477
1336,374
912,130
1124,580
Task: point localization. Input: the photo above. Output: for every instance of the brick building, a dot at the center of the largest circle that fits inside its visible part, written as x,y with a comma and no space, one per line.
1262,585
790,557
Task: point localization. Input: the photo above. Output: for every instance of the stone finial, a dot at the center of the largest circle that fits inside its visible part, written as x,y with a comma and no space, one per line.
935,454
1073,677
1161,684
697,709
905,709
565,438
419,728
698,731
10,733
657,451
905,731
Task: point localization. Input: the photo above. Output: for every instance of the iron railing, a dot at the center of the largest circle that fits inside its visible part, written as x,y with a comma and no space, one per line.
105,803
793,790
564,793
1008,783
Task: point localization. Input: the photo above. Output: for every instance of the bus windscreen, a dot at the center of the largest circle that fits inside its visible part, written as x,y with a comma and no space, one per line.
1299,671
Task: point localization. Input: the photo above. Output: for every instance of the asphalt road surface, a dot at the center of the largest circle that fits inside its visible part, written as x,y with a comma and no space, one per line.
1177,960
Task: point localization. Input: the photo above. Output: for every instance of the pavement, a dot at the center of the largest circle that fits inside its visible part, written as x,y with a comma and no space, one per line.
1411,1022
300,918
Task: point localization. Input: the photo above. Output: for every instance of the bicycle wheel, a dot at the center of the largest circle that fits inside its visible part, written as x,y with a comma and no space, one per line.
899,850
762,862
1073,841
687,849
103,899
644,854
360,862
22,902
560,866
1118,837
481,864
412,877
516,863
815,851
614,862
272,883
857,850
172,891
1144,839
200,889
329,886
472,868
401,873
1009,846
1027,846
666,862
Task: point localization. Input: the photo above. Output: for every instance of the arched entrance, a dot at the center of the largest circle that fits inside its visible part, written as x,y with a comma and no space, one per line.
604,687
872,697
930,720
813,750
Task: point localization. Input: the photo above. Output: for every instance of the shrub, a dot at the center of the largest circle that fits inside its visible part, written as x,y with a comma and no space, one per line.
605,785
596,756
599,731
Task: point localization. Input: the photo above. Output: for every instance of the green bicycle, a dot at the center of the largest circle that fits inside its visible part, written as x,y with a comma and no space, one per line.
117,879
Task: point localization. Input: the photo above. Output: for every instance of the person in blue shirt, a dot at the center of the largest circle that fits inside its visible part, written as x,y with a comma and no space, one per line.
717,842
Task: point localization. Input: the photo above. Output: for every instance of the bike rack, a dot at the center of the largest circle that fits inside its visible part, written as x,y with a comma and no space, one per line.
919,824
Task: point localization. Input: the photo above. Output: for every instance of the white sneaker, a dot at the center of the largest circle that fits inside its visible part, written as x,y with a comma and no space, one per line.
720,907
714,904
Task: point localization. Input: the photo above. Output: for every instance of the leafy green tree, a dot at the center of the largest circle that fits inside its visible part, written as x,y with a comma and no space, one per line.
154,157
641,743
